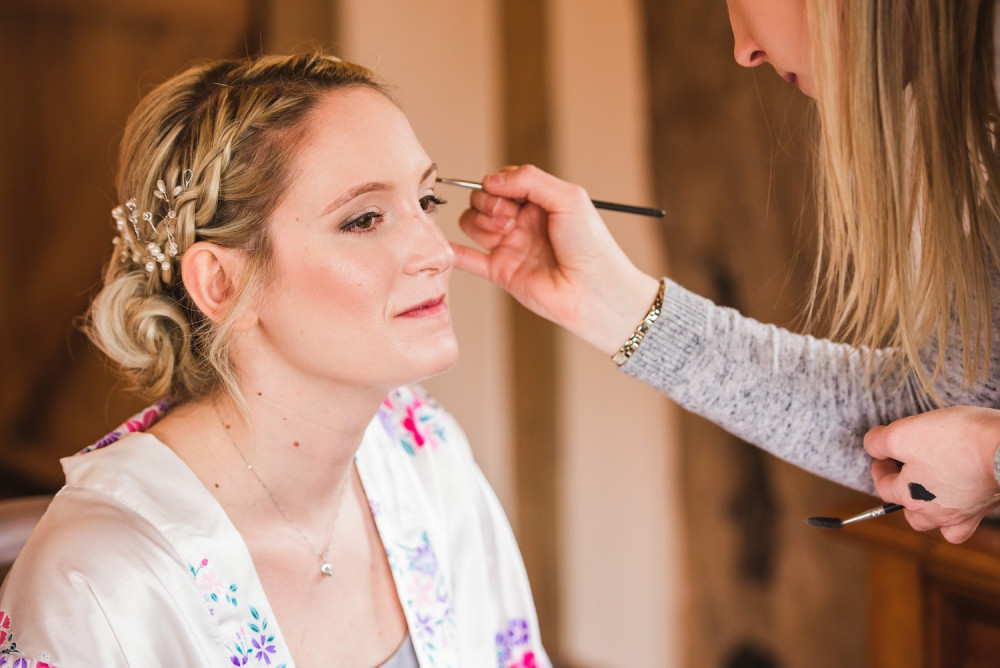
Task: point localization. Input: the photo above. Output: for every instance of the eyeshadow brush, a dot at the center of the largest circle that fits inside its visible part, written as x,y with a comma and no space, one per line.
837,523
600,204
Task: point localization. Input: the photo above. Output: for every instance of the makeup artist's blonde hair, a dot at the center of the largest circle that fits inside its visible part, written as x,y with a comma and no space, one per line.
908,175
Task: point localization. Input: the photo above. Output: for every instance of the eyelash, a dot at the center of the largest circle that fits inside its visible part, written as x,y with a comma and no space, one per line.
430,203
365,222
362,223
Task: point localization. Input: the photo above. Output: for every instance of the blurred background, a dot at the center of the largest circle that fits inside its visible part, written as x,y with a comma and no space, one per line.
651,538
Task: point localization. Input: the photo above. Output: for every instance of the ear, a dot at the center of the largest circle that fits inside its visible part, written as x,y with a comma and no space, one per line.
211,276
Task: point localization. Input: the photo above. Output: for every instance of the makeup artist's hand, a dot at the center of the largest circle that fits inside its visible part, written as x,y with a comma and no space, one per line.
947,454
546,244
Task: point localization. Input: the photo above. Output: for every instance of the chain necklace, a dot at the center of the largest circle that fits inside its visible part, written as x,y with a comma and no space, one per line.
325,567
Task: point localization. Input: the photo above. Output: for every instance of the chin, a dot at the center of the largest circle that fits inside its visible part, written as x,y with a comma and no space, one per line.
433,364
446,362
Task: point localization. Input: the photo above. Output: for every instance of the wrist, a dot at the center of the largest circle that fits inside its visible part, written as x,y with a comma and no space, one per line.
617,309
639,333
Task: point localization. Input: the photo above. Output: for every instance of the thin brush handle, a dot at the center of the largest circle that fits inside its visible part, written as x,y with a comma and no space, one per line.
599,204
884,509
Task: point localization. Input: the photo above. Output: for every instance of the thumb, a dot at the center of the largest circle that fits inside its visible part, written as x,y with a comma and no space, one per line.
471,260
876,443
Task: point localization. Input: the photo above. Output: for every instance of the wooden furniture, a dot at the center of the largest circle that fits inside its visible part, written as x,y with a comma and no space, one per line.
931,604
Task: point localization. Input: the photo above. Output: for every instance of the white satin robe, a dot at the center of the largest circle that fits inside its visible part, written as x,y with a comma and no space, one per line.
136,564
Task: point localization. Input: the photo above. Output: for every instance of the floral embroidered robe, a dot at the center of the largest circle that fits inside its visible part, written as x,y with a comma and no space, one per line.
136,564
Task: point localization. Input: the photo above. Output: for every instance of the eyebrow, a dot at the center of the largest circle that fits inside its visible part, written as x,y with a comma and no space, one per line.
370,186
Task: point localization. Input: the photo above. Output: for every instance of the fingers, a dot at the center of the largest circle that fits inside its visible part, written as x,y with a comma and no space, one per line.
953,529
488,218
955,526
947,479
493,206
961,532
471,260
529,183
484,229
888,484
880,444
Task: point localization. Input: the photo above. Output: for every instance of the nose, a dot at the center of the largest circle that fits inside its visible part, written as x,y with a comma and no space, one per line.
746,50
429,252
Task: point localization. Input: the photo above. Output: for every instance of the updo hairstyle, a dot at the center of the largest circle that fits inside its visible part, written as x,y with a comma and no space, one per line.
235,124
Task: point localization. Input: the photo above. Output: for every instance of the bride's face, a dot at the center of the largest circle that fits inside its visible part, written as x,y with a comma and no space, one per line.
358,290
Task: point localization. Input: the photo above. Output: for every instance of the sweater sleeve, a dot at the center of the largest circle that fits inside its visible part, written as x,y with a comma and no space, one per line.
808,401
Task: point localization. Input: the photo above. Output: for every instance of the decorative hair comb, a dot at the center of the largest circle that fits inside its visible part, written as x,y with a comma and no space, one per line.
139,235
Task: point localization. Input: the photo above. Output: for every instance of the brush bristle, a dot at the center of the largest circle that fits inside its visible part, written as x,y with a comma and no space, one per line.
825,522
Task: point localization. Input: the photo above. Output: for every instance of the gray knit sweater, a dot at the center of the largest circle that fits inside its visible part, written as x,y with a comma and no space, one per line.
806,400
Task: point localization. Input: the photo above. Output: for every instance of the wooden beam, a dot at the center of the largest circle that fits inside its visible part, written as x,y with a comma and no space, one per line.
527,140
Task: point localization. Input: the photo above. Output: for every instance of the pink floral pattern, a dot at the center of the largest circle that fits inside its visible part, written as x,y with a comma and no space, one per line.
415,421
6,635
254,643
211,587
139,422
527,660
412,418
424,592
257,645
513,645
10,657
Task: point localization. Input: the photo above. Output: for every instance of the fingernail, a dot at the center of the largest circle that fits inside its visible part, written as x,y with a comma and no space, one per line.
495,179
494,205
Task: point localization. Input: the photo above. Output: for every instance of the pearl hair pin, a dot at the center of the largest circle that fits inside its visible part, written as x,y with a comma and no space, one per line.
140,247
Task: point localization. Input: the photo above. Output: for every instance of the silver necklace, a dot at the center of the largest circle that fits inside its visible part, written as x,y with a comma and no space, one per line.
325,567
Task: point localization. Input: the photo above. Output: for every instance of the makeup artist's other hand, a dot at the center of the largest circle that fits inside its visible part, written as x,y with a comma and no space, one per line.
545,243
949,453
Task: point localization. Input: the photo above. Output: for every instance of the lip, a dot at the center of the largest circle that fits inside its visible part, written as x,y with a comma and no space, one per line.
791,78
425,308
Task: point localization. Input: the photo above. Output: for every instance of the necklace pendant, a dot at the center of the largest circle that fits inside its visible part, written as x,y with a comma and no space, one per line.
326,569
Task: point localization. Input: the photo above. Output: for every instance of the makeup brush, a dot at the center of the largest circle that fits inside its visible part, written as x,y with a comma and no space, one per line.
837,523
599,204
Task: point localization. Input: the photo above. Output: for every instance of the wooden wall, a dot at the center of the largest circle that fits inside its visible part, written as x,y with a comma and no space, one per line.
71,71
731,163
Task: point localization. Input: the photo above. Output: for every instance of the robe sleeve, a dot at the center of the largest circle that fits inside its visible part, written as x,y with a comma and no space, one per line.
69,600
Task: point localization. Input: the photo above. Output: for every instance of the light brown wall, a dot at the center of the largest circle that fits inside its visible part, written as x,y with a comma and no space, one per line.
618,495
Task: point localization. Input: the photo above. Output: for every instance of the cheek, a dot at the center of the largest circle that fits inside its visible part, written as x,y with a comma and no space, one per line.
782,31
343,281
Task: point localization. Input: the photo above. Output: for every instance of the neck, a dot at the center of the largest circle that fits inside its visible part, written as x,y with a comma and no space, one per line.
301,446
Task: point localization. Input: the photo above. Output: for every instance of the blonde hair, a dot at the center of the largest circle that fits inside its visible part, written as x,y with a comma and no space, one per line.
235,124
908,176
